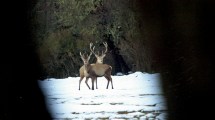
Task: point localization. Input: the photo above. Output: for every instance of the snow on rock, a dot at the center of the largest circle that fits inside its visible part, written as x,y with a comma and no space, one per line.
135,96
119,74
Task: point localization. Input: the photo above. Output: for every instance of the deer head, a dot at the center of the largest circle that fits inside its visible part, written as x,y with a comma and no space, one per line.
101,56
85,57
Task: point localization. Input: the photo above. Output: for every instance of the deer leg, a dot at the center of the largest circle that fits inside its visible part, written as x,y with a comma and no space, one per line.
111,82
107,80
81,78
96,84
87,83
107,84
93,78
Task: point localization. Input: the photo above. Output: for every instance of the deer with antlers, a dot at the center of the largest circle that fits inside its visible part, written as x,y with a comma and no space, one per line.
96,70
99,62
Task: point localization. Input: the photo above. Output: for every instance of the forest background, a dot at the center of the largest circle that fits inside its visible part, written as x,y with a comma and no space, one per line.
63,28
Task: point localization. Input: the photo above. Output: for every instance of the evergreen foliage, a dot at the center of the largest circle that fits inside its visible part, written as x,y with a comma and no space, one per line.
63,28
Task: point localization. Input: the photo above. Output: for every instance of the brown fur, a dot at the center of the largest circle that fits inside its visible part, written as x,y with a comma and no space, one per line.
99,70
83,74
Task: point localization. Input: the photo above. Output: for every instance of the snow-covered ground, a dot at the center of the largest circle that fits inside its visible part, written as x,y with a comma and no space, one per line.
135,96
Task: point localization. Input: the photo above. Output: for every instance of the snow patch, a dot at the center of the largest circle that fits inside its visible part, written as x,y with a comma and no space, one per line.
135,96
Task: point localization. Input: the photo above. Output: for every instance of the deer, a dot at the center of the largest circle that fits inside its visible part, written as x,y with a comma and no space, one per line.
98,61
95,70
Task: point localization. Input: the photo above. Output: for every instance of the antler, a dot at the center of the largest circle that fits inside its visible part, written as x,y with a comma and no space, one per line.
85,57
103,52
106,45
81,54
90,53
87,54
92,50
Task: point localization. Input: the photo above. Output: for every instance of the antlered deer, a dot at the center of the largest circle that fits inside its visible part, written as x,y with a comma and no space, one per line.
95,70
99,60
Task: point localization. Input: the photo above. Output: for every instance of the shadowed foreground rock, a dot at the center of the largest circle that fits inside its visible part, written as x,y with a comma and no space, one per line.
21,97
